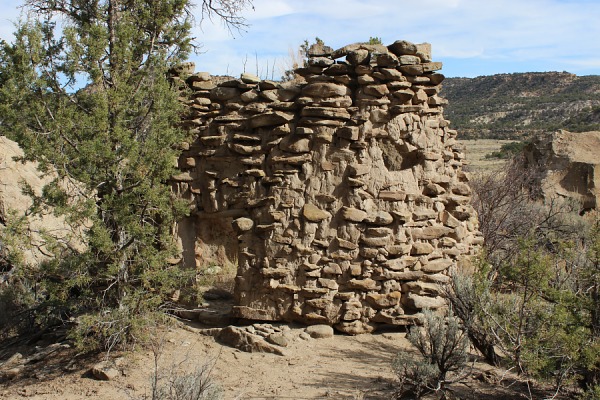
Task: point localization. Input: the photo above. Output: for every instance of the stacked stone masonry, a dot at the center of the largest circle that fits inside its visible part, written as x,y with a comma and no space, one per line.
344,187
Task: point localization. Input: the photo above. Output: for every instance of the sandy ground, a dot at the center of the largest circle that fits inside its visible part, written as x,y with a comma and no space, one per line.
340,367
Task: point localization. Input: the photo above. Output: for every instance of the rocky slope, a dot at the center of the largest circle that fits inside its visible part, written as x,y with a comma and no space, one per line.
510,106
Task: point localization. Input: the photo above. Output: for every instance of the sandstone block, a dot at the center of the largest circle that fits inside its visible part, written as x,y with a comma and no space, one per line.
322,62
417,302
403,95
431,232
399,264
269,119
386,59
384,300
423,288
320,331
363,284
388,195
376,90
278,339
393,317
439,265
399,249
353,214
325,112
432,66
105,371
433,190
355,327
375,241
358,56
348,132
424,52
401,276
245,341
324,89
414,70
332,269
249,78
421,248
402,47
314,214
224,93
380,218
345,244
409,60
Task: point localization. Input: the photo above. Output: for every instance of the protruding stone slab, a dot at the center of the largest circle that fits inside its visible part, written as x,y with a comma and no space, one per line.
353,214
269,119
314,214
324,89
242,224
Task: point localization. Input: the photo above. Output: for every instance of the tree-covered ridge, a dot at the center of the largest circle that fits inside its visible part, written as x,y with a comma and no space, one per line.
516,105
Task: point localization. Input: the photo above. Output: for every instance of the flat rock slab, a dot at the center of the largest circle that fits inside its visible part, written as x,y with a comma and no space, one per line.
245,341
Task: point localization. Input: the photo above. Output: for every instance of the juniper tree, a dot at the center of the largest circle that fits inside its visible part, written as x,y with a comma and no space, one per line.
85,91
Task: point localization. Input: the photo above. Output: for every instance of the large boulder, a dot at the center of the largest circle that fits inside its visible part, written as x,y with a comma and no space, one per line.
568,166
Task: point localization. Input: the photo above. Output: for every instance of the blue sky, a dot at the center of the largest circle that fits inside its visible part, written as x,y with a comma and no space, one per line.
471,37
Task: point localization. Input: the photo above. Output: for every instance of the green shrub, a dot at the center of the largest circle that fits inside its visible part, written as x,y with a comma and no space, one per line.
443,347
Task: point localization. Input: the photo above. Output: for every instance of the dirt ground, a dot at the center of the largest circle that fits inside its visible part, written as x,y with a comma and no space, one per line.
476,150
340,367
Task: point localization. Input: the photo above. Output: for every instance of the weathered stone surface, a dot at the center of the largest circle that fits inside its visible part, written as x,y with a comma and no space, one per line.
388,195
384,300
324,89
278,339
355,327
402,47
224,93
363,284
431,232
325,112
438,265
417,302
243,224
269,119
320,331
105,371
420,248
348,132
353,214
245,341
314,214
249,78
569,166
344,186
381,218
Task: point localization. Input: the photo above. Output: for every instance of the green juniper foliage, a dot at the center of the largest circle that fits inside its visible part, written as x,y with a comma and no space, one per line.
85,91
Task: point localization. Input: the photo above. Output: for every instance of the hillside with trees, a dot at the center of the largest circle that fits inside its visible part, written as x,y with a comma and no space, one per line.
513,106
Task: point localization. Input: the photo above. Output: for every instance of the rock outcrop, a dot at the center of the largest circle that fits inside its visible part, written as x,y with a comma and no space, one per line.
15,204
344,194
568,166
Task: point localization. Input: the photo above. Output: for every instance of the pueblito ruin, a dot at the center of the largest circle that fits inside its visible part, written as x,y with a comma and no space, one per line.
340,194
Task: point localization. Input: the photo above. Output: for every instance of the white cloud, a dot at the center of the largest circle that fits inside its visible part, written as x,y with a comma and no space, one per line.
515,34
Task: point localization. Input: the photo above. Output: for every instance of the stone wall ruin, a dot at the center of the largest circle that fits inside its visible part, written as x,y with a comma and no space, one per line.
344,187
